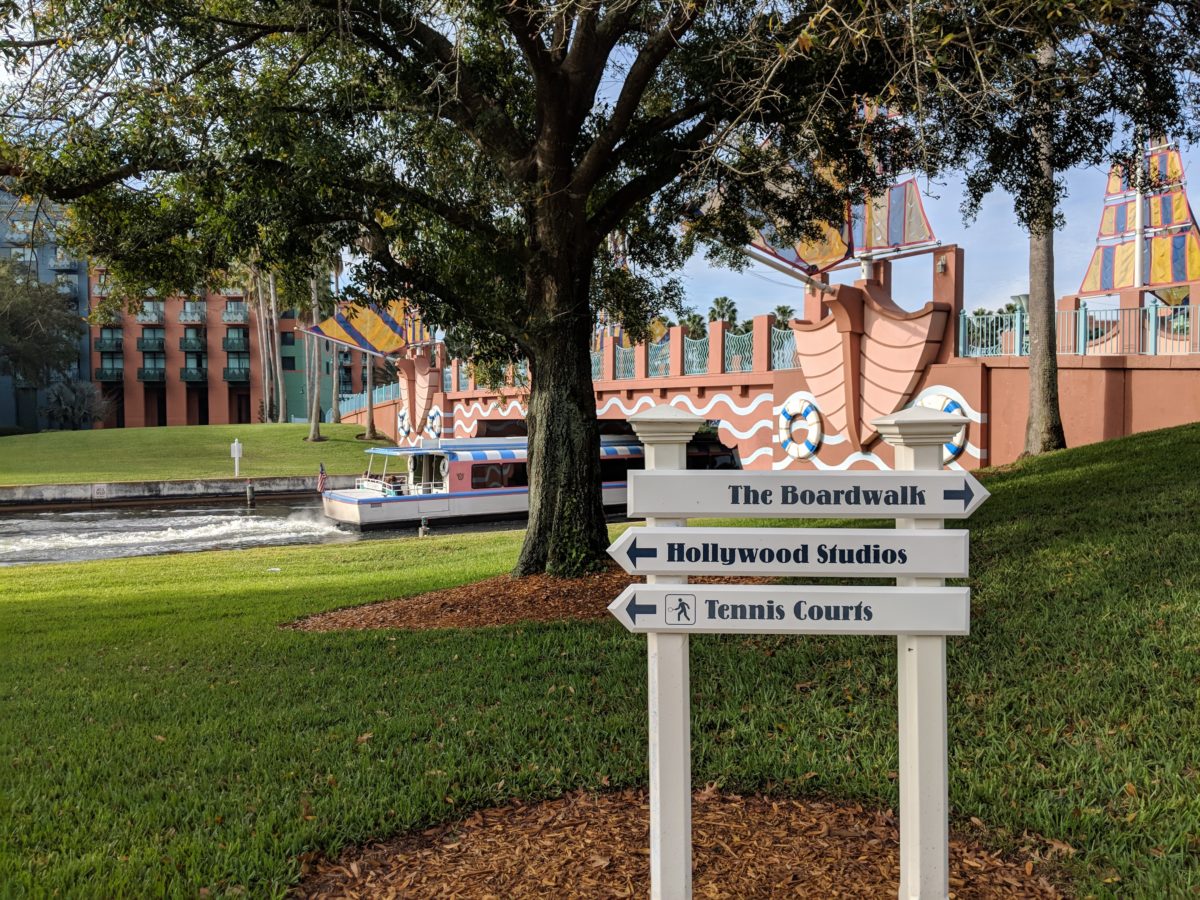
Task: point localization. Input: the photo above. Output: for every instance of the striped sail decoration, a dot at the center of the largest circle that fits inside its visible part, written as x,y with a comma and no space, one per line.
892,221
377,330
1171,249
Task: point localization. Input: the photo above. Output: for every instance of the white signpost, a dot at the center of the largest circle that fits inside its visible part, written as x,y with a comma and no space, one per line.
767,609
831,552
235,451
920,610
806,495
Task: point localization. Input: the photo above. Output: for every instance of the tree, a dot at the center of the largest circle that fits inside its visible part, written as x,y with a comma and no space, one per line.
783,313
39,327
1079,87
75,404
480,155
694,325
723,309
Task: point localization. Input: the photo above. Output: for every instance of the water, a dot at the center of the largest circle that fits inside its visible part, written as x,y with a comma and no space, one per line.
81,535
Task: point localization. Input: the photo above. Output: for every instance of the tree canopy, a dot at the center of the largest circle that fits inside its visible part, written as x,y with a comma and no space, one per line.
39,326
483,157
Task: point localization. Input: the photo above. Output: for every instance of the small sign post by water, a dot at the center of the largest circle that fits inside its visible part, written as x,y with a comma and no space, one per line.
235,452
920,610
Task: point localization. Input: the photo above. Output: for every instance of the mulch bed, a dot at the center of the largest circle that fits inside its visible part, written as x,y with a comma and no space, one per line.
586,845
503,600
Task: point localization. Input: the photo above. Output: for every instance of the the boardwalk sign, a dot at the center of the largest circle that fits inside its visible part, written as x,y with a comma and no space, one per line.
767,609
920,610
806,495
831,552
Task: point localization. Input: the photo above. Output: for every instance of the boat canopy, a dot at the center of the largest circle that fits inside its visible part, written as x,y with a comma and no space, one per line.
474,450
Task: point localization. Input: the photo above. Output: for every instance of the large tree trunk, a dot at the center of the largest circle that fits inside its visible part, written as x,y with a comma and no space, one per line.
314,395
371,434
1043,428
336,418
567,534
276,356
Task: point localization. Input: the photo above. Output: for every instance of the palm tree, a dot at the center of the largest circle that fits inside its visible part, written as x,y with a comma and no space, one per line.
693,324
783,313
724,309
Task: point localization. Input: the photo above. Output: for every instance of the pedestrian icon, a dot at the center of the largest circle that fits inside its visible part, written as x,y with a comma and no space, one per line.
681,609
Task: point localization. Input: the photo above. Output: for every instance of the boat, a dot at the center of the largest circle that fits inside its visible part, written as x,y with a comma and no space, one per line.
461,479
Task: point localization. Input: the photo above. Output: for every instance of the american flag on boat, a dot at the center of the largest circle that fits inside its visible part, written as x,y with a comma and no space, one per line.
321,480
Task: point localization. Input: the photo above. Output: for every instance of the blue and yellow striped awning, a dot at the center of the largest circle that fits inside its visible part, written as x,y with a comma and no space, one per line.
379,331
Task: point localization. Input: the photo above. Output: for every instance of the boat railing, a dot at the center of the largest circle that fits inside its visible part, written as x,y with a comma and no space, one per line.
398,486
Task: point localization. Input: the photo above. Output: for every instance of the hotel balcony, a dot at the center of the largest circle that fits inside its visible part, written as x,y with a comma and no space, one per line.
232,292
194,344
235,344
235,314
152,374
241,376
62,261
151,344
108,345
103,374
189,374
152,313
194,312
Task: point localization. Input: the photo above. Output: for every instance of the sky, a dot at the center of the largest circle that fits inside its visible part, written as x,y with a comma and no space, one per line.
996,251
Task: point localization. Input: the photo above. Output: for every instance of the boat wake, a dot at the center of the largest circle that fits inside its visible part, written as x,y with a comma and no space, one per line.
72,537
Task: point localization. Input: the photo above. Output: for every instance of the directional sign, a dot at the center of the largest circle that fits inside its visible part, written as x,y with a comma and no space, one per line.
792,551
806,495
806,609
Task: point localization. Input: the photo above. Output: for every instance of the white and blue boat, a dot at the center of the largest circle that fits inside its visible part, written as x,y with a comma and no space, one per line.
464,478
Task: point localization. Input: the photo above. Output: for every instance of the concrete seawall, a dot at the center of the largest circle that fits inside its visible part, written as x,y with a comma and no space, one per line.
106,492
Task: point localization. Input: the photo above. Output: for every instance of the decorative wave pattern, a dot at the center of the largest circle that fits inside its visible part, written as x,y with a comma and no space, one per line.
475,409
683,401
640,404
761,451
726,428
844,464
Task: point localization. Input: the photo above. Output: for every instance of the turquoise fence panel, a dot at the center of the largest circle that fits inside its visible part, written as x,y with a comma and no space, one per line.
695,355
624,366
1087,331
783,349
739,352
597,365
464,377
447,379
521,373
660,360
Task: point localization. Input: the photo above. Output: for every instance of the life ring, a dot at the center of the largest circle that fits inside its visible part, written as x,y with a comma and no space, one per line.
952,449
433,423
443,468
403,427
800,409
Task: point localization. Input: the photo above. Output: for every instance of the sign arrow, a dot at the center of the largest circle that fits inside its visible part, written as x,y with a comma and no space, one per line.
634,609
964,495
635,554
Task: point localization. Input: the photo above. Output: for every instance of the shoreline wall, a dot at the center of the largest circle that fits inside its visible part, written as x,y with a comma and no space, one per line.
184,490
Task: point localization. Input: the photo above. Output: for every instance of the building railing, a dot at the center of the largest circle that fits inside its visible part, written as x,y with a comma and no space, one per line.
464,376
739,352
236,374
597,365
521,374
193,344
109,374
151,344
152,374
624,362
783,349
382,394
193,312
658,364
235,314
109,344
1109,331
151,313
235,344
695,355
447,379
189,373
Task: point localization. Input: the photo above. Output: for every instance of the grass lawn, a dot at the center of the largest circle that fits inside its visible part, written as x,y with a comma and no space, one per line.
185,451
160,734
